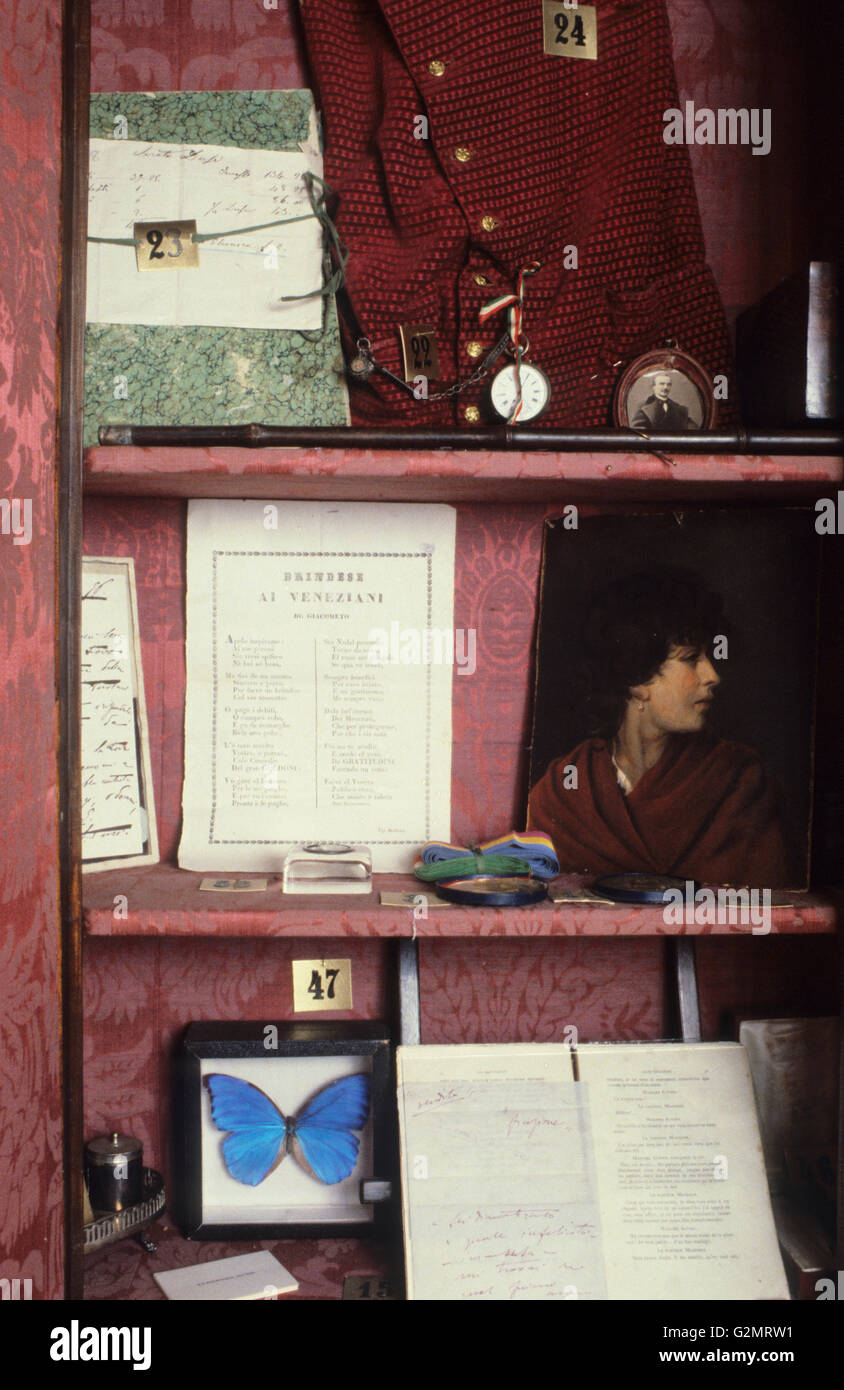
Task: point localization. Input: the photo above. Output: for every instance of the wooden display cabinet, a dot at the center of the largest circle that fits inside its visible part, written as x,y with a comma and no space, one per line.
131,983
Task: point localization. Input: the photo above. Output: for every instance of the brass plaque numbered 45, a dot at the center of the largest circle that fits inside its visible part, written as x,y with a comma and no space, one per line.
166,246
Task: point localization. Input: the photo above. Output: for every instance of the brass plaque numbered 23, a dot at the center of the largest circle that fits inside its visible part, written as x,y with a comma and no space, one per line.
166,246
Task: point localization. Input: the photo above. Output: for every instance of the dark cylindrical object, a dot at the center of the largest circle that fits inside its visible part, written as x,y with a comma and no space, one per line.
504,437
114,1171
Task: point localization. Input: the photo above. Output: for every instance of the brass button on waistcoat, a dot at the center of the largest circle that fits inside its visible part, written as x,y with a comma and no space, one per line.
436,67
489,223
480,279
463,154
474,348
471,415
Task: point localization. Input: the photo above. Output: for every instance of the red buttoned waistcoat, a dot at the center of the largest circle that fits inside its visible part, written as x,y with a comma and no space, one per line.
526,155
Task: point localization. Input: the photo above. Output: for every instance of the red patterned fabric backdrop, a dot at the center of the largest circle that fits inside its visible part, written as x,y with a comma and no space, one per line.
138,992
727,52
30,1074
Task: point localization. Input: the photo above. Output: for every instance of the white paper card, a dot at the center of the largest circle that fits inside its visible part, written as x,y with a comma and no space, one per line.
299,726
241,279
257,1275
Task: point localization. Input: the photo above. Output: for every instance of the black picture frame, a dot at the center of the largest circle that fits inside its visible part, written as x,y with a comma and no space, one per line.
290,1064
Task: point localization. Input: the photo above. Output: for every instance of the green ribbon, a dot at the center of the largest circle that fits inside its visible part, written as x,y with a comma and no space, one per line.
468,865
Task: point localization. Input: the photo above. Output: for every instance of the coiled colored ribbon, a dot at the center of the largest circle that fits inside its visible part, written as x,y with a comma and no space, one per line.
514,304
530,853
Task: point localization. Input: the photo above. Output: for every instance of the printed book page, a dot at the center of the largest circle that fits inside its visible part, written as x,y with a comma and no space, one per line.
303,724
624,1171
684,1196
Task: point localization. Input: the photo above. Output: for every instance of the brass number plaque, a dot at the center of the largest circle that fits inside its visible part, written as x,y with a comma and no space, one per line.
320,985
166,246
368,1286
419,351
569,33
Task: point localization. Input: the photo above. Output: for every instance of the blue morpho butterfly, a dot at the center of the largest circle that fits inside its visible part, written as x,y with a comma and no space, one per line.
258,1136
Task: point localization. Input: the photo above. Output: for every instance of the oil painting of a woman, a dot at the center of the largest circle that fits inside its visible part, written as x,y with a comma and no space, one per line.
652,789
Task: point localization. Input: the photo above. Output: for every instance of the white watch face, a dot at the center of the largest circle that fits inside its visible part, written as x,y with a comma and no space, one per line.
504,392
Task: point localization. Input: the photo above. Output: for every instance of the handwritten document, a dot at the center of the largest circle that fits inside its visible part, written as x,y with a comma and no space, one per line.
299,726
498,1175
242,278
118,821
626,1171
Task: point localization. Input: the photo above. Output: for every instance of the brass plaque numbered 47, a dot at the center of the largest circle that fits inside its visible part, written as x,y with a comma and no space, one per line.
321,985
166,246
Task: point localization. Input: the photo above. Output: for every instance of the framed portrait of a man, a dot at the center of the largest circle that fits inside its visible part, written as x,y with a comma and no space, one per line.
673,721
664,392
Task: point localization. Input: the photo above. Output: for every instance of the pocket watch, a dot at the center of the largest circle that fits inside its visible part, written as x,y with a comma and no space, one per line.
504,392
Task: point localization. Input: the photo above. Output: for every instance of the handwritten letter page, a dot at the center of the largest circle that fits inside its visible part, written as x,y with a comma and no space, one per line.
498,1175
641,1180
302,724
118,818
241,279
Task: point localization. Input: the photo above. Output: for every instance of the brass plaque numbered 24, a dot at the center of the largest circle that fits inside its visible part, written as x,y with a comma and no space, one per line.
569,31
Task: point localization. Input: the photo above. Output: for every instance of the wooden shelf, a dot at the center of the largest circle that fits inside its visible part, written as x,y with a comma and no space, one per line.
453,475
164,901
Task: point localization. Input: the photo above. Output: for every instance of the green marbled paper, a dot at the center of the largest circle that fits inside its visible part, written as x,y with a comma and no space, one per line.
200,375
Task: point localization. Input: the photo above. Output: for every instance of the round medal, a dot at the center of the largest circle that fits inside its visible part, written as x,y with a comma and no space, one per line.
638,888
491,891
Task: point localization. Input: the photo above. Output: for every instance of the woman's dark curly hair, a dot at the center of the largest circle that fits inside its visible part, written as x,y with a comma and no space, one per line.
629,630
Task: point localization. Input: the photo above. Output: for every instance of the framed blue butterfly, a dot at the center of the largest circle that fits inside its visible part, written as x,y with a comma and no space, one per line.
321,1137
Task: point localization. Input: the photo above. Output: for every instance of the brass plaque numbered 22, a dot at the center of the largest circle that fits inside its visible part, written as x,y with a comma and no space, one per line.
419,351
166,246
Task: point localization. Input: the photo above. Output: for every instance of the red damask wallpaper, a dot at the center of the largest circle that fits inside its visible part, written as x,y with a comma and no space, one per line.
30,1097
139,992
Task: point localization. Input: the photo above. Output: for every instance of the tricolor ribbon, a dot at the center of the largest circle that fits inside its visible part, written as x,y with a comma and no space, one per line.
528,853
514,304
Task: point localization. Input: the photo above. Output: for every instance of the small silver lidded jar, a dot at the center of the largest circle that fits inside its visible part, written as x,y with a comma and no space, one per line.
114,1171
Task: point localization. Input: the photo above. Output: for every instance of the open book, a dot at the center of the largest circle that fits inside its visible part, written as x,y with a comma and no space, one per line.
609,1171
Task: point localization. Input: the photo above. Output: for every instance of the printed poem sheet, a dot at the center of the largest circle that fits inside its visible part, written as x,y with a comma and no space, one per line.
303,722
621,1171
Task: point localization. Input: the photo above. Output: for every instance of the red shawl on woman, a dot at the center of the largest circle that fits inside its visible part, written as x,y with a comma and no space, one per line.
707,810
